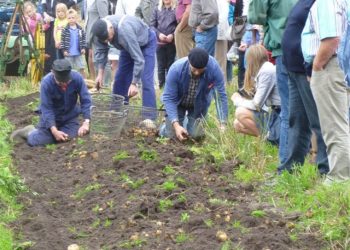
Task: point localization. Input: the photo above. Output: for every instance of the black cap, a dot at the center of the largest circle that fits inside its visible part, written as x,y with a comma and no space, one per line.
198,58
99,29
62,70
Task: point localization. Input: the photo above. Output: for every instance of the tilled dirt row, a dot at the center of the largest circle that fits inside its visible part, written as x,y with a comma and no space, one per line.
140,193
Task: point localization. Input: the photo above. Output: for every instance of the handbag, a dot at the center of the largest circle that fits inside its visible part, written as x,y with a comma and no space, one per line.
238,27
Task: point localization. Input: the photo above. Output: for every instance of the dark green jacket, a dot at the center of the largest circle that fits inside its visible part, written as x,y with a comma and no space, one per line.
272,14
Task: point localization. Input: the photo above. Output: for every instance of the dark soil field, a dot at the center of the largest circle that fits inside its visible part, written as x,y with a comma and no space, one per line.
140,193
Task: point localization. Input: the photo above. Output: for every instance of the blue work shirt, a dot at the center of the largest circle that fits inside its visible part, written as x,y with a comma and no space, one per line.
58,106
176,88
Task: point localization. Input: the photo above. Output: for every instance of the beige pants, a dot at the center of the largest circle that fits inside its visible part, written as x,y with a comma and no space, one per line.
183,41
220,55
332,100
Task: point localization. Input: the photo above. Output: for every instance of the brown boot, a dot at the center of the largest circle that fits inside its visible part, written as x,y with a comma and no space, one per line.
21,133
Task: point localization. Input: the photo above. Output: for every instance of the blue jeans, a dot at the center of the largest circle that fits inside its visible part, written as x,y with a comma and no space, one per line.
207,39
282,85
42,136
124,75
193,126
303,118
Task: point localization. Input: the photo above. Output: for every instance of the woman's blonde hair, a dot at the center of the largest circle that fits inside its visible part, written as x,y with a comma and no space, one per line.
61,6
161,4
255,57
27,4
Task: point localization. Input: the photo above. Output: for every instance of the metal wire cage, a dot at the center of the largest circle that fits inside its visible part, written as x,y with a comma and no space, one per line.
108,123
107,114
143,117
107,102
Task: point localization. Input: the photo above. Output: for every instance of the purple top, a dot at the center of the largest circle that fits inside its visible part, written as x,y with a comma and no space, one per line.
164,21
181,7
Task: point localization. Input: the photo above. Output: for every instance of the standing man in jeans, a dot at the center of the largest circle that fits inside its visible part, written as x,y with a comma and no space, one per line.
204,19
183,33
303,117
273,16
137,44
320,39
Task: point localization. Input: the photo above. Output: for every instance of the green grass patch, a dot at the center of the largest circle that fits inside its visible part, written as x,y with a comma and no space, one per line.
10,183
325,208
6,238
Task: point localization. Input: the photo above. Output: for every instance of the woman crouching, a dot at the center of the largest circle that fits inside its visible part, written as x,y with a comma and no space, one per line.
258,105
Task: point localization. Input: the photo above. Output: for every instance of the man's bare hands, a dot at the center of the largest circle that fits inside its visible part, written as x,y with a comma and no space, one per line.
133,90
84,129
181,132
60,136
98,81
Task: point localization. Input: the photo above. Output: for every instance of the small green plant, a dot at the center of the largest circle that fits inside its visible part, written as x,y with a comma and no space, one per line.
168,170
258,213
120,155
108,172
181,198
96,223
162,140
107,223
181,181
82,192
182,237
209,223
110,204
78,234
293,237
130,244
209,191
185,217
96,208
237,225
51,147
134,184
169,186
178,160
80,141
149,155
221,202
165,205
227,245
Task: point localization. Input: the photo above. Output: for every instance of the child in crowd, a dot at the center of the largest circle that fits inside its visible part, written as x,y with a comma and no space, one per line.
164,24
59,24
252,116
32,17
73,42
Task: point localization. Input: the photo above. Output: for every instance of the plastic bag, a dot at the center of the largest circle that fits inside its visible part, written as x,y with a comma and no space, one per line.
232,54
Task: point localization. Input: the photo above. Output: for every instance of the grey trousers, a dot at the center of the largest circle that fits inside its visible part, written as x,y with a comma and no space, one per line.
332,95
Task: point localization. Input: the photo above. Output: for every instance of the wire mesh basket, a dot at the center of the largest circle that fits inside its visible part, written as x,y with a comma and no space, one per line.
108,123
141,119
107,102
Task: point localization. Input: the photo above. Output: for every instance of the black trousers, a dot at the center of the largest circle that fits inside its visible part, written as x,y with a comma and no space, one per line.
165,58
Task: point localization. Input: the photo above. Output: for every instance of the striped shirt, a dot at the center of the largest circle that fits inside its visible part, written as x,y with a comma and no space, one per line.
327,18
